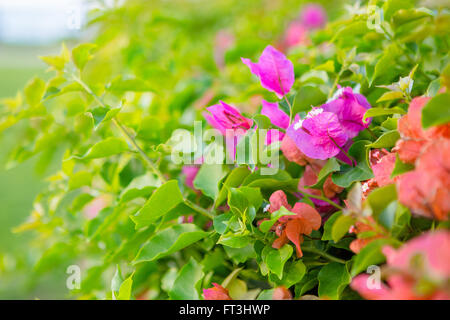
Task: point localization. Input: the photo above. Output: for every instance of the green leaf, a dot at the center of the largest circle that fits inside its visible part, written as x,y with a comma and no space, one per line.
82,54
276,258
386,140
235,241
391,95
370,255
34,91
308,96
187,284
380,198
221,221
234,179
262,121
125,289
121,85
331,166
108,147
295,271
328,226
79,179
376,112
436,111
341,227
386,63
164,199
102,114
168,241
333,278
400,167
208,178
360,172
267,224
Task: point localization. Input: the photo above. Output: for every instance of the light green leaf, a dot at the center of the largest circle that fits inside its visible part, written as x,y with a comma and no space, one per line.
386,140
168,241
376,112
108,147
164,199
34,91
82,54
267,224
341,227
187,284
208,178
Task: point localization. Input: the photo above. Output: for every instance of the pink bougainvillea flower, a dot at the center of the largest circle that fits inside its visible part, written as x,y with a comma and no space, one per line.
292,153
296,34
313,16
426,189
223,41
277,116
224,116
190,172
413,136
424,259
217,292
350,109
274,70
291,228
281,293
274,135
319,136
230,122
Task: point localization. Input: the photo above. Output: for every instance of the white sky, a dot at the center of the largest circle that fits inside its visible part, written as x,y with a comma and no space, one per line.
39,21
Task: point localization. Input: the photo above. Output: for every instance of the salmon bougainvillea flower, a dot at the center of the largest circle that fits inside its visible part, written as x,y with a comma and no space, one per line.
319,136
422,260
350,108
291,228
361,227
426,190
217,292
281,293
274,70
383,168
413,136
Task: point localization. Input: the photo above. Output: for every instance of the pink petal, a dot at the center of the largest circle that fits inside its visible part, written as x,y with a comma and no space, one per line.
274,70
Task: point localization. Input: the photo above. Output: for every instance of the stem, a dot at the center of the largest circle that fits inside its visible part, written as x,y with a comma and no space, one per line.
132,141
336,81
323,254
199,209
290,108
323,199
371,133
124,131
344,152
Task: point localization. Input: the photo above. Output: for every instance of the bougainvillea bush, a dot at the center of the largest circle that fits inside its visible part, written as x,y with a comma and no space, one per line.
321,170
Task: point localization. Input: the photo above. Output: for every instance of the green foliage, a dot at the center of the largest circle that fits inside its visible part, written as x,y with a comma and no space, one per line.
99,130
